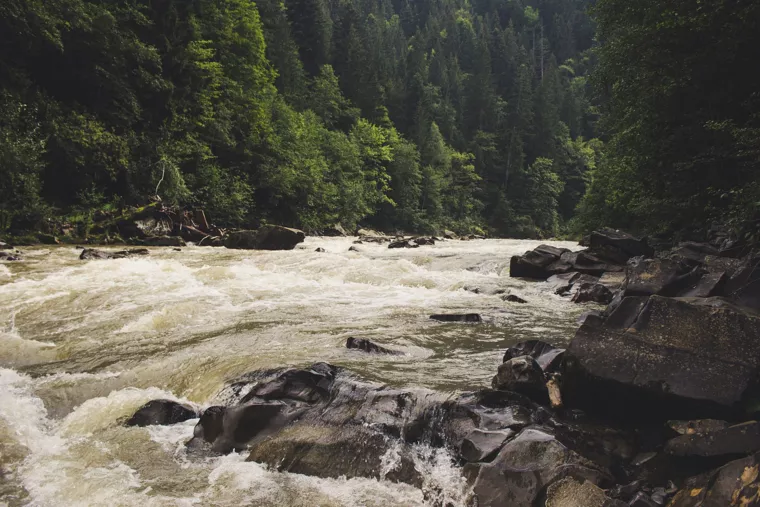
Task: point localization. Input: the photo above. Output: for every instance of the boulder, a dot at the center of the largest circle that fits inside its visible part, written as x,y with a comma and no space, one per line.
664,277
320,250
403,243
575,284
740,439
6,256
163,241
424,241
457,317
332,452
570,492
621,241
148,221
368,346
527,466
593,293
535,264
735,484
447,234
584,262
93,254
744,286
161,412
694,356
693,253
47,239
709,285
483,445
548,357
267,237
522,375
353,249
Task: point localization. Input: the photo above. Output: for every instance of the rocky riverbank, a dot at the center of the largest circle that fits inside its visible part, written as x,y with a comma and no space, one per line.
653,402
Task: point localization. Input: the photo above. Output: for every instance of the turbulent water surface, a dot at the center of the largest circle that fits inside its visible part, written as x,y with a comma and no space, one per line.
84,344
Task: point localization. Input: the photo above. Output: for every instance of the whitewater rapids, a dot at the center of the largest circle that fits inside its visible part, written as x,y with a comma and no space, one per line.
84,344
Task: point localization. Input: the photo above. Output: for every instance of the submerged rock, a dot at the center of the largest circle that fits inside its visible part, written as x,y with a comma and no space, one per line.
92,254
267,237
369,347
161,412
514,299
467,317
320,250
6,256
403,243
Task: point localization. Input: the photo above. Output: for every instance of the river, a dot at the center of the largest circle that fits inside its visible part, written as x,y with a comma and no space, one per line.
84,344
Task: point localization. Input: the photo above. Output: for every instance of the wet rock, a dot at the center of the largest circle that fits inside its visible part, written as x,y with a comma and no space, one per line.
368,346
547,356
353,249
700,426
685,357
744,286
563,282
514,299
403,243
161,412
575,284
535,264
93,254
621,241
450,235
330,452
613,281
458,317
570,492
483,445
163,241
267,237
522,375
526,466
737,483
709,285
425,241
593,293
663,277
584,262
320,250
740,439
6,256
641,499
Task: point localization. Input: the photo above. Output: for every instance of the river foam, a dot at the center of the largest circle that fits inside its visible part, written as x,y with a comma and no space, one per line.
84,344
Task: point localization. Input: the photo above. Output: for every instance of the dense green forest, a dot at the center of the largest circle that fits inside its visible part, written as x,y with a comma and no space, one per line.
522,118
401,114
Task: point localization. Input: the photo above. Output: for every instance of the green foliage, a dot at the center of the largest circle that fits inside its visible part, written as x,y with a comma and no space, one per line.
682,117
405,115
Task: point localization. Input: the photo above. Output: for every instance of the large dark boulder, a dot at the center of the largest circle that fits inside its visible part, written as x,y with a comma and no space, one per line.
620,241
161,412
739,439
483,445
735,484
664,277
267,237
527,466
744,285
535,264
403,243
694,356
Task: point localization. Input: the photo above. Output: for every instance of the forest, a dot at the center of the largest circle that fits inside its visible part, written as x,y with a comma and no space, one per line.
515,118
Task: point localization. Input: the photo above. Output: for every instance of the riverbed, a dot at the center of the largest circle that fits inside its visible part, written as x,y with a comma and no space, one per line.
84,344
